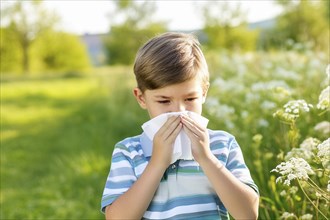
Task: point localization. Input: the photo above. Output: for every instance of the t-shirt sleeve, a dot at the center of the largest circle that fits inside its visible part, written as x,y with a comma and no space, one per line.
237,166
121,176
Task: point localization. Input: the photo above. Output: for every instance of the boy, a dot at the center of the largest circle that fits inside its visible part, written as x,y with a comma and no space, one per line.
172,76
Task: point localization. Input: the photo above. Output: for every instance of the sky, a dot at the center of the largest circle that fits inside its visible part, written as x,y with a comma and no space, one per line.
93,16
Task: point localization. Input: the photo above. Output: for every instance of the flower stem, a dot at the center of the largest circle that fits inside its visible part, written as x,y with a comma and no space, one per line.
311,200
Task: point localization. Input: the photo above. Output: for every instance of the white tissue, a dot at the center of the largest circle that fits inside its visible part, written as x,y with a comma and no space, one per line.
182,144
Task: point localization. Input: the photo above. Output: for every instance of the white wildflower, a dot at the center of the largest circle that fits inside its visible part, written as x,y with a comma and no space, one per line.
299,153
307,217
287,74
328,187
270,85
283,193
324,153
268,105
324,148
293,190
287,215
310,144
323,128
306,150
295,168
263,123
292,110
296,106
324,99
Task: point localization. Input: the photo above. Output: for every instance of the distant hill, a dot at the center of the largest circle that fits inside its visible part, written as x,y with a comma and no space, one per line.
265,24
95,47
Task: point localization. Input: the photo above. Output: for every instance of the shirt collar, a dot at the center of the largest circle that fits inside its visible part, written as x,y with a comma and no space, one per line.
146,145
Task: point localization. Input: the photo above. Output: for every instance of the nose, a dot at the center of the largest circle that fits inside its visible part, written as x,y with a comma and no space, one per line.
179,107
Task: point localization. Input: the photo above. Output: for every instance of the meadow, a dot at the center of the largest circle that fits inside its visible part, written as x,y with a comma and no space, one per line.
57,133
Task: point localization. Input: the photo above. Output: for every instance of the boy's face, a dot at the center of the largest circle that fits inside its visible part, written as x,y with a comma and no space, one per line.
186,96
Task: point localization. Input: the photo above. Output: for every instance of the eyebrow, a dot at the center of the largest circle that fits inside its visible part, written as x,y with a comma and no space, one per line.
168,97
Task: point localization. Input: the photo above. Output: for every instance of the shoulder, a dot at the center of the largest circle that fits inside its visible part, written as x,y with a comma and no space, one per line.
129,141
128,145
217,136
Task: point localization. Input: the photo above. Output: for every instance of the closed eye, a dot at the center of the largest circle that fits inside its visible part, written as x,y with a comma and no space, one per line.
191,99
163,101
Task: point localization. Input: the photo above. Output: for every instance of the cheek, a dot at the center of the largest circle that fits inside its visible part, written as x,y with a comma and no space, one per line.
195,107
155,110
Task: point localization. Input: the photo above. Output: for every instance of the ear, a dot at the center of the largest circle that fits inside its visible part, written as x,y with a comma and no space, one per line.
140,97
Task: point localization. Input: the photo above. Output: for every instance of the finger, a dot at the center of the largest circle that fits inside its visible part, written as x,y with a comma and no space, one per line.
190,133
193,123
169,126
175,132
192,127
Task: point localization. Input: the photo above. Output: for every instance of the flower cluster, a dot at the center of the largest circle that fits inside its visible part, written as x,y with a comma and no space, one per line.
295,168
306,149
292,110
324,99
312,157
323,128
294,107
324,153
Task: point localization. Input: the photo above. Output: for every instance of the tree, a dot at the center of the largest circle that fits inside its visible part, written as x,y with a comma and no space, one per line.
59,51
304,22
127,36
10,53
26,20
225,26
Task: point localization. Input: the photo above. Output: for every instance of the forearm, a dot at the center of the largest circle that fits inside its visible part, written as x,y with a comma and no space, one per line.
240,200
133,203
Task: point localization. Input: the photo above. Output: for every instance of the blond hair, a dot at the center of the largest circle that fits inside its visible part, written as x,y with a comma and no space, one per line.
168,59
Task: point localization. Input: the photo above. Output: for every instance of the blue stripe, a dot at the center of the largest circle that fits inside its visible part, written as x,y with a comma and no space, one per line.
119,185
181,201
205,215
123,171
138,160
235,165
117,157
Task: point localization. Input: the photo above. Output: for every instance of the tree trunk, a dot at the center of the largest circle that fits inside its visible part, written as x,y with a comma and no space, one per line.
26,58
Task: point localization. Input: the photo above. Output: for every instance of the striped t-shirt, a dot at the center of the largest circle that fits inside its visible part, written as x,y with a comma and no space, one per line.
184,191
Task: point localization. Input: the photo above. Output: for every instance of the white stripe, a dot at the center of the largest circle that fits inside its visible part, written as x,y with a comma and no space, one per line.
108,191
180,210
188,163
121,164
139,169
221,151
122,178
219,138
182,186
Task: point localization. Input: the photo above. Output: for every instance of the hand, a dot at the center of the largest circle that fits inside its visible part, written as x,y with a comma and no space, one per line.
164,141
199,138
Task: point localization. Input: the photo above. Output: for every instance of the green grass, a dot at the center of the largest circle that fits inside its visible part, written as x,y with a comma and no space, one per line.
57,138
58,133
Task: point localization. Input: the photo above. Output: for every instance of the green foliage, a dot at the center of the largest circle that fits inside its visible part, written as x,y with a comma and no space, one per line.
306,167
60,52
57,138
29,43
246,89
225,27
11,56
126,37
305,23
124,41
24,27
